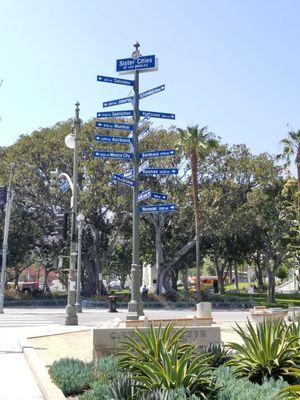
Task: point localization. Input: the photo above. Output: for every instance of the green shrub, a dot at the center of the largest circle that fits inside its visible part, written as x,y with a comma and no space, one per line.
268,350
122,389
99,392
291,392
242,389
156,360
107,369
71,375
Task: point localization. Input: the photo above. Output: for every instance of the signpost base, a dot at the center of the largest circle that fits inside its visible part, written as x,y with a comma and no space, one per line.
135,310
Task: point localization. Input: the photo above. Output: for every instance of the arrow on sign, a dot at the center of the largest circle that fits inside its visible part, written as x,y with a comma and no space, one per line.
112,139
158,153
112,154
118,101
144,134
111,125
154,114
152,195
114,114
144,166
160,171
152,91
109,79
158,208
122,179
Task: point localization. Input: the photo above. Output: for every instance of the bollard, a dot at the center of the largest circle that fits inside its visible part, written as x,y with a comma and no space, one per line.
112,300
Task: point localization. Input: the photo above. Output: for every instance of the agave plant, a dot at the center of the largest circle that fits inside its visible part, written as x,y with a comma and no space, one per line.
268,351
291,392
219,354
122,389
156,360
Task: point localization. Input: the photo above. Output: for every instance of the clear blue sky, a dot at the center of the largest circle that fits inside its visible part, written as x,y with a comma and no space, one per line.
231,64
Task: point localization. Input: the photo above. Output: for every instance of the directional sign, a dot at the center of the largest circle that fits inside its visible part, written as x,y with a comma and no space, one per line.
120,178
158,208
109,79
112,154
152,91
111,125
154,114
114,114
160,171
118,101
144,134
112,139
144,166
152,195
64,185
142,122
157,153
141,63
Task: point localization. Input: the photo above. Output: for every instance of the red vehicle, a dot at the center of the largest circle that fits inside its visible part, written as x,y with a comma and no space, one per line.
30,287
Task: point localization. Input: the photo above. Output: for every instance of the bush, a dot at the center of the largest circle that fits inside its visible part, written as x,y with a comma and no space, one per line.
72,376
268,350
100,391
107,369
156,360
219,354
242,389
291,392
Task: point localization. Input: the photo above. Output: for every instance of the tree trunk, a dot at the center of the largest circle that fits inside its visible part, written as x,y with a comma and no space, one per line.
230,272
195,186
185,280
220,267
174,279
16,279
271,279
170,292
236,276
259,271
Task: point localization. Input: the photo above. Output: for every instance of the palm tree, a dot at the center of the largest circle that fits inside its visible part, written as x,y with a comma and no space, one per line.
291,147
196,143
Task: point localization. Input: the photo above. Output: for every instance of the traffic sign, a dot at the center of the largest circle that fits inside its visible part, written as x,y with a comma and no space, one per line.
158,208
122,179
144,134
142,122
157,153
152,91
154,114
115,114
118,101
112,125
142,63
112,154
64,185
144,166
152,195
113,139
109,79
160,171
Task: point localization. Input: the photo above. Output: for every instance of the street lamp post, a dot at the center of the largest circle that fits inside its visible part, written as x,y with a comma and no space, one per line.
71,317
80,221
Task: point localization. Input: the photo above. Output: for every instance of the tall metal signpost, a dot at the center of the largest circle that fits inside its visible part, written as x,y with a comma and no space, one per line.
138,131
8,204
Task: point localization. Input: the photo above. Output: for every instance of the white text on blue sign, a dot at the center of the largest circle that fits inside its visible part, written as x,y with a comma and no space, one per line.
131,64
115,114
124,180
160,171
158,208
152,91
109,79
158,153
113,154
124,100
112,139
154,114
111,125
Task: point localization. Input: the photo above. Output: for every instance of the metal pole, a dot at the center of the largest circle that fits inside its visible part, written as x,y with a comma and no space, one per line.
135,306
9,199
78,281
71,317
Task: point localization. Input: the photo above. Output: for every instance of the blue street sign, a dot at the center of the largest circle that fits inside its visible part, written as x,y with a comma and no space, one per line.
131,64
122,179
112,139
148,194
64,185
109,79
115,114
158,208
112,125
157,153
144,134
112,154
152,91
118,101
142,122
144,166
160,171
154,114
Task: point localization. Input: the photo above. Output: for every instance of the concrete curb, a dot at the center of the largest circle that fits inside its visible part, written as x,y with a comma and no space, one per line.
49,390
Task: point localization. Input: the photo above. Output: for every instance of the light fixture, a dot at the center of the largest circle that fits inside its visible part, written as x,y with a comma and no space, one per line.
70,141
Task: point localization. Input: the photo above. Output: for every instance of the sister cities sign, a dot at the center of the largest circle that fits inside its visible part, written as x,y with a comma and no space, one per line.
129,65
